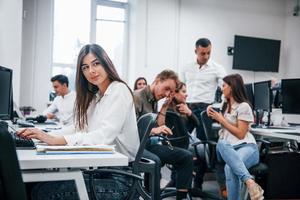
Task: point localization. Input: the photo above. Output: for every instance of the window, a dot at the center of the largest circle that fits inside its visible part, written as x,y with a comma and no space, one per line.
77,23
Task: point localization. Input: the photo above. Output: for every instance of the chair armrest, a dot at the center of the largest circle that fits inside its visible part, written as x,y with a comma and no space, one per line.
114,171
263,141
204,142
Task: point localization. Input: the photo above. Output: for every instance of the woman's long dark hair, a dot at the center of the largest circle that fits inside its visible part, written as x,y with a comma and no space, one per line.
238,91
137,80
85,91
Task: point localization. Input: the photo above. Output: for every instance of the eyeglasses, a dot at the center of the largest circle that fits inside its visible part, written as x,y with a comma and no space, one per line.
86,67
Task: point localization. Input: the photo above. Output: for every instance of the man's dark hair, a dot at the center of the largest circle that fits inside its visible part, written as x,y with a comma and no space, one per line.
62,79
203,42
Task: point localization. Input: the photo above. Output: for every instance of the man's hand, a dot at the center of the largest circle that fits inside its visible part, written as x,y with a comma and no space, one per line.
50,116
161,130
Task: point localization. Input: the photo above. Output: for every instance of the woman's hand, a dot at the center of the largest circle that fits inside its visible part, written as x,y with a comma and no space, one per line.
215,115
184,109
161,130
35,133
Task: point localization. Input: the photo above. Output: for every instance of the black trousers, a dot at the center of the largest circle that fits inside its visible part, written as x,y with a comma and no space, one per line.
199,164
180,159
197,108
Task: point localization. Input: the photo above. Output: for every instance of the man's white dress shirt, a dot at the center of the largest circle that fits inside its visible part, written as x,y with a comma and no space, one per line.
202,82
62,108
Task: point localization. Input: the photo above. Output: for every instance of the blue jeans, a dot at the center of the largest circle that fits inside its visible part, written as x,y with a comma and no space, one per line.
237,161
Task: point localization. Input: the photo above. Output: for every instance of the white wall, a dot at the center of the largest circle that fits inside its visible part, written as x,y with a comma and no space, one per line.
292,42
37,53
162,35
292,50
10,40
167,30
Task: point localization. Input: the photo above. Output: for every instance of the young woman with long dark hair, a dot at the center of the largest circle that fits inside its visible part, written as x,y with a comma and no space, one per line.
104,108
236,146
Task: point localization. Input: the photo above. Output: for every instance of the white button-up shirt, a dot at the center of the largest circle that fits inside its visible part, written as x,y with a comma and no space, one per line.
62,108
202,82
111,121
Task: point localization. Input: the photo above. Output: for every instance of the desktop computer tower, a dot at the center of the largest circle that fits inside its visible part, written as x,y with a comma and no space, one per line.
283,179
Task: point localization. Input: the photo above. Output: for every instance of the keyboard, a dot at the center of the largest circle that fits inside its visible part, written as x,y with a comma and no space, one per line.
21,142
23,123
279,127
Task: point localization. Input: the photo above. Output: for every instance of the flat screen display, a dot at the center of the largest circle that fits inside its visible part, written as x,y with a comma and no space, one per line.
256,54
5,93
290,96
249,93
262,96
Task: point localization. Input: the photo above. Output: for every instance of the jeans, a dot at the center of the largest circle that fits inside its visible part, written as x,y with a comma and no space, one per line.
237,161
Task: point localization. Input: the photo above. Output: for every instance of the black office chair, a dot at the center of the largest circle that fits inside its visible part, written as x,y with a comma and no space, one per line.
259,170
208,148
140,165
180,138
11,182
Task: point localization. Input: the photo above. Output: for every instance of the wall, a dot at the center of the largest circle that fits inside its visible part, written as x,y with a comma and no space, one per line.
162,35
10,40
167,30
292,50
37,53
292,42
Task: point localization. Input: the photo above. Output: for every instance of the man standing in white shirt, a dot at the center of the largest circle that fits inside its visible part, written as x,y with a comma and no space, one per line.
202,78
63,104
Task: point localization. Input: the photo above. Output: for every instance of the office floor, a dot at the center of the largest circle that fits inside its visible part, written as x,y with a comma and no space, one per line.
210,184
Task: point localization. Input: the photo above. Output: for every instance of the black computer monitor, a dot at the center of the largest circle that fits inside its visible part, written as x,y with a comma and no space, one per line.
6,101
11,181
262,100
249,93
290,96
263,96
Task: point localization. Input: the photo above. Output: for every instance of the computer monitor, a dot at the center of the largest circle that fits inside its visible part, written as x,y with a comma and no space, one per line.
262,100
290,96
263,96
249,93
6,101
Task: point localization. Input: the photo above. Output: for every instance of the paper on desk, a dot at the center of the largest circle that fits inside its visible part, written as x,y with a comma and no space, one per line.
91,149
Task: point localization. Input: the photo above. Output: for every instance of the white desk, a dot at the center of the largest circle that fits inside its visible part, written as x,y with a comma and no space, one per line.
289,134
37,168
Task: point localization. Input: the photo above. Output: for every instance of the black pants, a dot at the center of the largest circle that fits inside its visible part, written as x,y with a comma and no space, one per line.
197,108
180,159
199,164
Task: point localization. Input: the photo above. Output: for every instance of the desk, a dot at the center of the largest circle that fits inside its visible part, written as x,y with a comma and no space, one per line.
37,168
289,134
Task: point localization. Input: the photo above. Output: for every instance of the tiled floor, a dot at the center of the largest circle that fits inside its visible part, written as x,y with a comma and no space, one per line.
209,185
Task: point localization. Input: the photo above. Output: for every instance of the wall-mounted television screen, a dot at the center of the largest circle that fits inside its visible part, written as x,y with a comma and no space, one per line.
256,54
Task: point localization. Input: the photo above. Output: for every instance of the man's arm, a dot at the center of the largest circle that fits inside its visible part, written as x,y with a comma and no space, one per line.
49,112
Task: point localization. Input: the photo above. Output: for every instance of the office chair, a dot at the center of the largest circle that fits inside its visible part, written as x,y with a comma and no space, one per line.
11,182
140,165
260,170
257,170
180,138
208,153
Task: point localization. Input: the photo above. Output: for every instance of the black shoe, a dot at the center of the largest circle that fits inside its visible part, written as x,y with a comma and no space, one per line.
196,192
